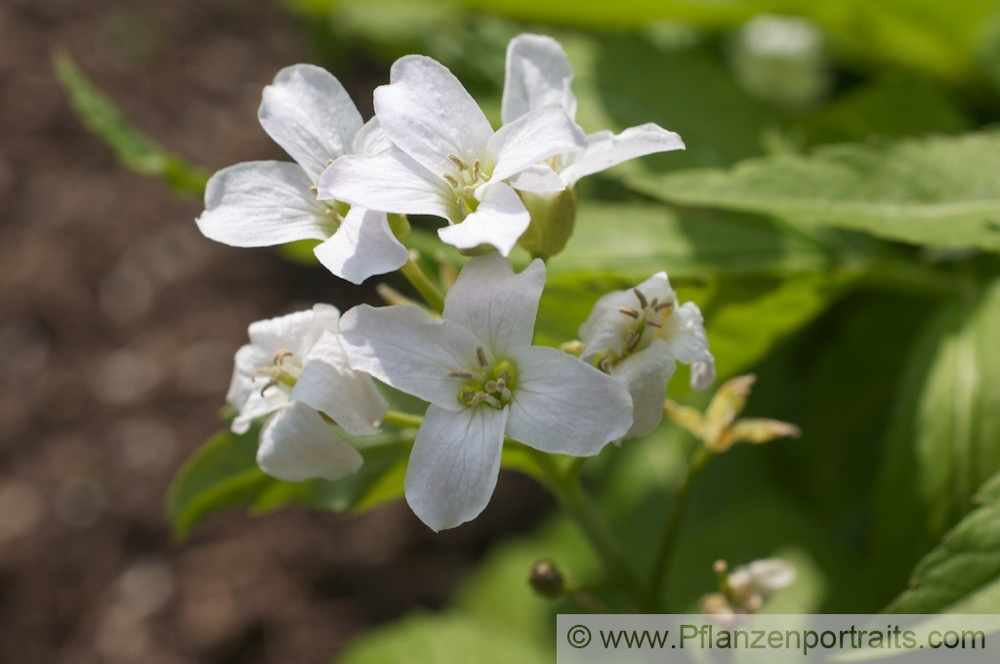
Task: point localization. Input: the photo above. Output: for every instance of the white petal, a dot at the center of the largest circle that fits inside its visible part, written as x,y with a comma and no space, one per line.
685,332
702,375
538,73
562,405
248,358
308,113
372,139
537,179
259,402
329,385
605,149
766,575
407,349
388,181
325,320
497,305
262,203
288,332
427,112
646,375
499,221
363,246
454,464
532,138
296,445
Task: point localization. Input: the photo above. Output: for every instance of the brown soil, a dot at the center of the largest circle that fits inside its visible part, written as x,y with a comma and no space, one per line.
118,326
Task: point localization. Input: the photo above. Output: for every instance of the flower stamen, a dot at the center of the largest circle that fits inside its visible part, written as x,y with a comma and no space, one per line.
629,311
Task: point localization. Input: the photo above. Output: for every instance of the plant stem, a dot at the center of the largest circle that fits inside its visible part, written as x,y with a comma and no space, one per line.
402,420
568,489
422,283
665,552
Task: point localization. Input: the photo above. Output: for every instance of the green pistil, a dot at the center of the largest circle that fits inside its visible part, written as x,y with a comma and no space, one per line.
490,385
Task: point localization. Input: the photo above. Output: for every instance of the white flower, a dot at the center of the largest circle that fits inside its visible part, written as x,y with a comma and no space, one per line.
447,160
262,203
638,335
295,365
761,577
539,74
746,588
484,380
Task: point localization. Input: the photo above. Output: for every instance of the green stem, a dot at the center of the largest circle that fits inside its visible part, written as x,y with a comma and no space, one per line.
422,283
568,489
668,544
395,418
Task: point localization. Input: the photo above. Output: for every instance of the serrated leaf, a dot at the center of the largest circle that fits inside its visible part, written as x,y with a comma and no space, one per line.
136,151
939,192
961,575
943,441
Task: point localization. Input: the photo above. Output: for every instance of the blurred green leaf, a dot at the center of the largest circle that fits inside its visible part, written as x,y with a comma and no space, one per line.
961,575
942,444
136,152
940,192
631,241
895,105
746,319
627,80
223,474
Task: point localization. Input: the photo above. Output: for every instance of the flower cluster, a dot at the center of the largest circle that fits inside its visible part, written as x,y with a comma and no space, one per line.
430,150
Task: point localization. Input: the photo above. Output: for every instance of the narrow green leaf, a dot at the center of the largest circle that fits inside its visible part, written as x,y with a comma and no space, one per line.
942,443
136,152
961,575
939,192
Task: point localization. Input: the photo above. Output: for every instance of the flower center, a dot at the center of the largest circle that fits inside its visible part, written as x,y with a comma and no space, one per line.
334,211
283,372
489,384
649,318
465,179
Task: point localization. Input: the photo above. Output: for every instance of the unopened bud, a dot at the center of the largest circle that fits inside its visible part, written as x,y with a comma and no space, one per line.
547,580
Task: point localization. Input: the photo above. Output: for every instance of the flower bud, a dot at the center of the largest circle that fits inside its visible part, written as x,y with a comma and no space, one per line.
552,219
547,580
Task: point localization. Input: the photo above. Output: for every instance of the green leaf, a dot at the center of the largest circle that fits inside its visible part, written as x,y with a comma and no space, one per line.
746,319
895,105
961,575
620,83
631,241
939,192
223,474
136,152
942,443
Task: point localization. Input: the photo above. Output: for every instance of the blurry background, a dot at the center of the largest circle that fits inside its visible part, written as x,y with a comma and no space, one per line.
118,321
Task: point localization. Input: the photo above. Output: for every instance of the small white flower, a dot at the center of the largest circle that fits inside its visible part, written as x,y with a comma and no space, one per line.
748,587
295,365
638,335
484,380
539,74
761,577
262,203
447,160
